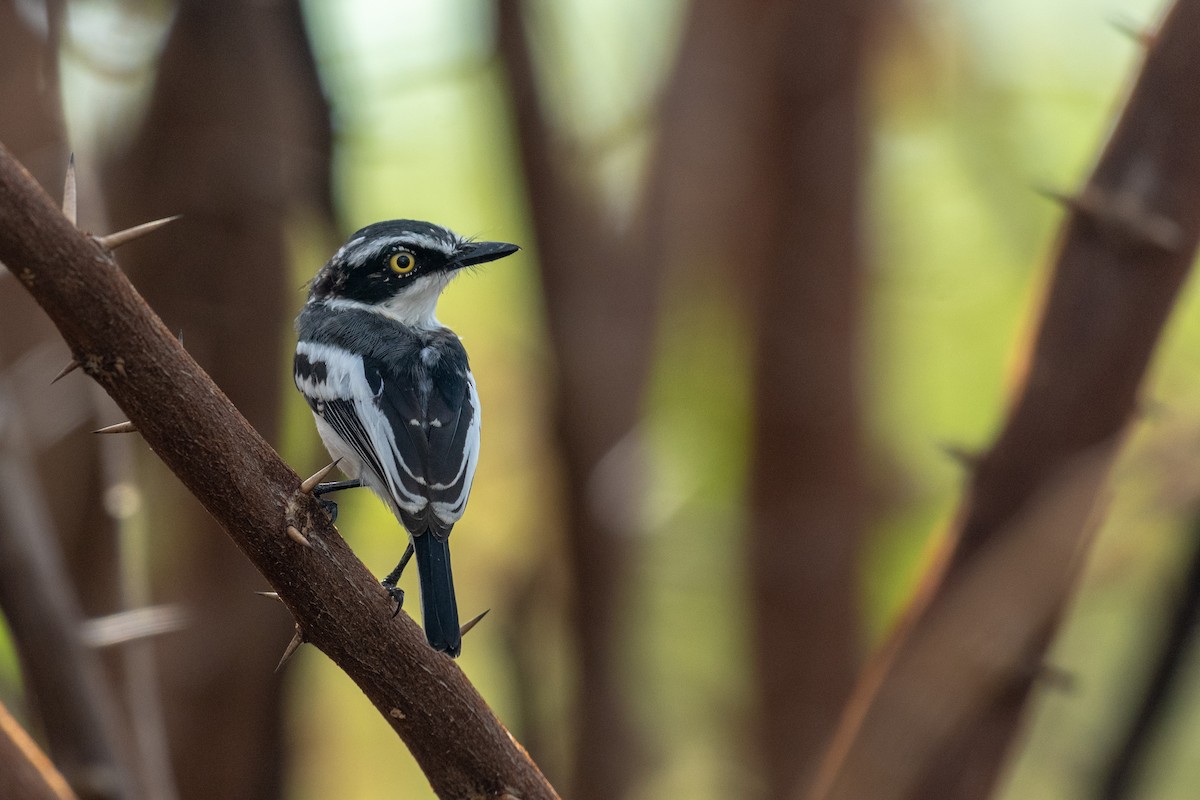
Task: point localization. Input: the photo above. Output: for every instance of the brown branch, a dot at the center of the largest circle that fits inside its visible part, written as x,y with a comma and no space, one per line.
601,297
456,739
969,645
25,772
1124,252
806,480
1169,670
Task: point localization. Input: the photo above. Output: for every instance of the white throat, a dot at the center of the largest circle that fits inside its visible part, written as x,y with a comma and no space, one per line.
415,307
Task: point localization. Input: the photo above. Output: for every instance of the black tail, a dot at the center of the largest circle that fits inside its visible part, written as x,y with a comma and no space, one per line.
439,609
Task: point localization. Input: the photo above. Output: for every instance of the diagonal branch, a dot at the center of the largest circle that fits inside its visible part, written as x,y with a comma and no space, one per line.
1123,255
458,742
1166,674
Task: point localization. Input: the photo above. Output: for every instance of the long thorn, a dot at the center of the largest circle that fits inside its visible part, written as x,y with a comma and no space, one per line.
120,427
1056,677
293,646
311,482
114,240
65,371
70,197
270,595
1142,36
471,623
965,458
296,536
1065,200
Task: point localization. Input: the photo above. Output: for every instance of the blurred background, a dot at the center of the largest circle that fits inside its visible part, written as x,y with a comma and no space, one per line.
780,260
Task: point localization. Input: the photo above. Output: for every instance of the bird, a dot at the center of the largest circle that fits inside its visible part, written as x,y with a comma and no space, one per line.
392,394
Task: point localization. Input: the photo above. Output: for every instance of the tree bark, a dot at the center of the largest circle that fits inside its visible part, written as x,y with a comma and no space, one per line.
1123,254
339,606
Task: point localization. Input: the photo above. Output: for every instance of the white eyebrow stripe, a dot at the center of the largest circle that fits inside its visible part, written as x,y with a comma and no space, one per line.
428,242
357,255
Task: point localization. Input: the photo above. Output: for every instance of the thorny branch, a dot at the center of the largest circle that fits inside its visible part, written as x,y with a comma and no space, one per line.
458,742
1124,252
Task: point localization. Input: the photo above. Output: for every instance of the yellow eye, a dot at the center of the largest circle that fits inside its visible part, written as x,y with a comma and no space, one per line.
403,262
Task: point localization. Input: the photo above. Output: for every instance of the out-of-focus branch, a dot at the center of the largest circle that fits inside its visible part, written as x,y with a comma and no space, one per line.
806,484
1165,673
1124,252
25,772
77,711
458,742
51,518
601,295
971,642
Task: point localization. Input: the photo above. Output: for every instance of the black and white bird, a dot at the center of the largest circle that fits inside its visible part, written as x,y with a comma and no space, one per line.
392,392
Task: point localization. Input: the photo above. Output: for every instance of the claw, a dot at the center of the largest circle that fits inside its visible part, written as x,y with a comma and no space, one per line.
397,594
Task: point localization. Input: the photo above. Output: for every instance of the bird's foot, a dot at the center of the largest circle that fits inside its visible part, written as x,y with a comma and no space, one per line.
322,489
331,508
397,594
393,578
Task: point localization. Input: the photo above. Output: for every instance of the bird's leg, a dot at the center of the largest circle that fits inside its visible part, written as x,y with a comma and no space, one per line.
393,578
333,486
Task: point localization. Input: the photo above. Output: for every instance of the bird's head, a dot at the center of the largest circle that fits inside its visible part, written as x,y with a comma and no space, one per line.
400,267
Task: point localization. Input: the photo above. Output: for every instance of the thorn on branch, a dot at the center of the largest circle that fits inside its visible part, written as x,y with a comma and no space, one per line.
1141,36
290,650
1055,196
120,427
270,595
1122,214
296,536
71,366
114,240
471,623
1058,678
70,197
967,459
313,480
